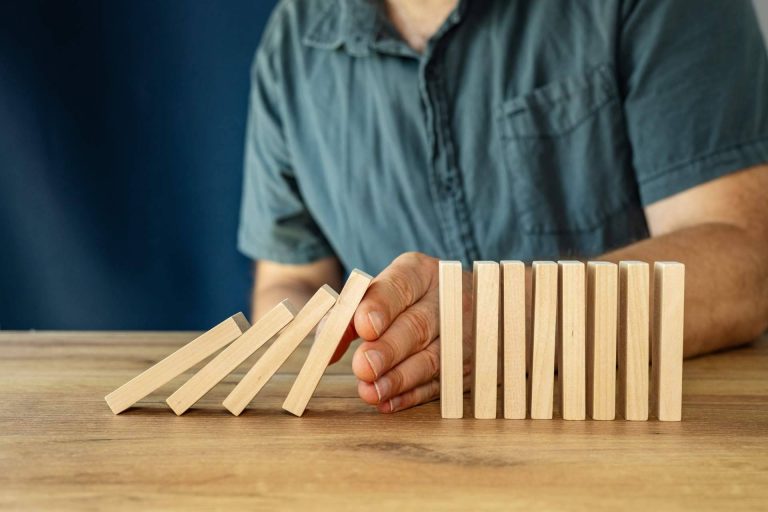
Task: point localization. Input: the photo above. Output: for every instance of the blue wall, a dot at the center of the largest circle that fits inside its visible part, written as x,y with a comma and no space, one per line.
121,143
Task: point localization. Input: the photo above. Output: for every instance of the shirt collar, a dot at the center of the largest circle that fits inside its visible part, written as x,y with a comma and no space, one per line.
358,26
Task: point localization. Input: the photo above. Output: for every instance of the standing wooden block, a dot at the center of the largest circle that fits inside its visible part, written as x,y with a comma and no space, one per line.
263,370
231,357
667,335
633,340
451,340
602,307
513,330
485,296
544,318
571,334
326,342
176,363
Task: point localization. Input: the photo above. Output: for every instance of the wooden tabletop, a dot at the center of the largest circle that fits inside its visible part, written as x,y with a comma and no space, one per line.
62,448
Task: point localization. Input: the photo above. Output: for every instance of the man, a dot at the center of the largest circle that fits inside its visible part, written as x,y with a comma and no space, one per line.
499,129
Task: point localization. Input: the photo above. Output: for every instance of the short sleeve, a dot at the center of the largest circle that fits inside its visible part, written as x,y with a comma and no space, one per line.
695,80
274,221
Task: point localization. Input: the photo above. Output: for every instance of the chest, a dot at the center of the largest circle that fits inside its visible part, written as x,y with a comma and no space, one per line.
507,131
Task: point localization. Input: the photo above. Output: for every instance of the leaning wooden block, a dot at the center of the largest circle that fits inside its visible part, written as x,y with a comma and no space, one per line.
571,345
633,340
513,331
602,306
176,363
451,340
486,332
263,370
667,335
326,342
231,357
544,319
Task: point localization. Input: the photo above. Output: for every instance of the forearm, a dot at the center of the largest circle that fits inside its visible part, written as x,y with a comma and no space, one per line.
265,298
274,282
726,296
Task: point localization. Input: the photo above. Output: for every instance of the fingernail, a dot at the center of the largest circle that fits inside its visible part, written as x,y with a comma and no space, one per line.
394,404
377,322
383,387
375,360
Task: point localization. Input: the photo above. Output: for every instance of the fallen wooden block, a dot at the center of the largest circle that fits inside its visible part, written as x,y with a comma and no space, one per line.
667,336
602,307
231,357
285,344
485,296
571,345
326,342
451,340
633,340
544,320
176,363
513,336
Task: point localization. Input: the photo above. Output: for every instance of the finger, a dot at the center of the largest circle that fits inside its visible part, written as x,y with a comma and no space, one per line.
397,287
410,333
416,370
346,339
417,396
367,392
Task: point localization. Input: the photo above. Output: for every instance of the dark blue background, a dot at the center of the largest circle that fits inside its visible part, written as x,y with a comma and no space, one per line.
121,143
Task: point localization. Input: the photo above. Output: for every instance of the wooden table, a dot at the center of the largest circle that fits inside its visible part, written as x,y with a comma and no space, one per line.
61,447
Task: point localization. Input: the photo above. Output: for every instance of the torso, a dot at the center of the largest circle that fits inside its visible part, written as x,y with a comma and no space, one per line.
504,139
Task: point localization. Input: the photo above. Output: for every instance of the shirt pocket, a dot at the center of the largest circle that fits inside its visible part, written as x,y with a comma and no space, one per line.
565,149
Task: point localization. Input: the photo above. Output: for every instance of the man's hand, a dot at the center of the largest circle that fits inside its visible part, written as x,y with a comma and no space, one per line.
398,363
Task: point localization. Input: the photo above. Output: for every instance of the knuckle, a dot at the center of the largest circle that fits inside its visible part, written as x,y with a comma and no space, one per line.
420,324
433,390
433,360
396,377
411,257
402,287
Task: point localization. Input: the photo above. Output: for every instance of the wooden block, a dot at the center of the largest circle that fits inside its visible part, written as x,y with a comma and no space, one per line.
667,336
513,331
544,319
451,340
633,340
176,363
231,357
571,344
602,306
485,300
280,350
326,342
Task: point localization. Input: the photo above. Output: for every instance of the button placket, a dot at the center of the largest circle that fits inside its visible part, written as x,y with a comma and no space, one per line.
445,177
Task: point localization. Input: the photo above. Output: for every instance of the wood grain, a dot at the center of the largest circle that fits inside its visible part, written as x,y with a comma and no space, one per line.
602,324
667,340
268,364
177,363
571,340
231,357
514,344
327,340
451,340
485,301
633,347
544,320
62,449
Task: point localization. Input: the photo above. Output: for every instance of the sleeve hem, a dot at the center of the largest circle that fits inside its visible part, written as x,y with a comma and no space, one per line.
680,177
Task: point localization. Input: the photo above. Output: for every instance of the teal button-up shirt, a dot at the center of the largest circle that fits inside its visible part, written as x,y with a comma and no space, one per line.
528,129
